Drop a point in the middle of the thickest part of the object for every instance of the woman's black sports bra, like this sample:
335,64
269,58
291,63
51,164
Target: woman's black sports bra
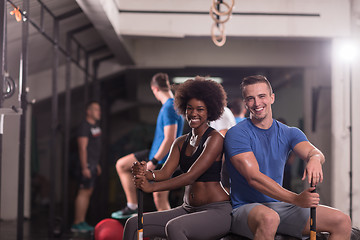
213,173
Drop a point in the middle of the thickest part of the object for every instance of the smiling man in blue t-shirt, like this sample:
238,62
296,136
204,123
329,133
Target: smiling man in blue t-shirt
256,151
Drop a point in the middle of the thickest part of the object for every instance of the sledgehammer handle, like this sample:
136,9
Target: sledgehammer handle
140,214
313,219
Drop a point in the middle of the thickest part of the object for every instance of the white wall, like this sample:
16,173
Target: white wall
246,25
341,73
10,167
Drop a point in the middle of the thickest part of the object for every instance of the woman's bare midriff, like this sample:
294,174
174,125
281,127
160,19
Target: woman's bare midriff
201,193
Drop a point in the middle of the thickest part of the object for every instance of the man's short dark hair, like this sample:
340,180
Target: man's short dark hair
253,80
91,103
161,80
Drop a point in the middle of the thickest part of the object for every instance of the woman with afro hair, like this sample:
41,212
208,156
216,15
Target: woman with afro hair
205,213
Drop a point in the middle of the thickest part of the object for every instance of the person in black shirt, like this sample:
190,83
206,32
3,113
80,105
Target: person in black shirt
89,148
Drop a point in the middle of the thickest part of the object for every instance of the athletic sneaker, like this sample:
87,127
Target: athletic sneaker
82,227
124,212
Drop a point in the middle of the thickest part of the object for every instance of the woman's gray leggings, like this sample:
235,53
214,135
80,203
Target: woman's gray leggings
211,221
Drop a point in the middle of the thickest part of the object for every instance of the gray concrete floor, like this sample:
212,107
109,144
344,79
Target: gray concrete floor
36,229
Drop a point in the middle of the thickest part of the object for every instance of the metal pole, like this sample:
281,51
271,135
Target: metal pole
24,57
2,47
47,37
351,145
2,69
96,85
86,93
54,124
67,133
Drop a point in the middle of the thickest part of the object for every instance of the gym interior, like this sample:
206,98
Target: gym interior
59,55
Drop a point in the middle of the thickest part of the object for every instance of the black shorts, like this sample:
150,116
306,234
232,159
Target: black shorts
87,183
143,155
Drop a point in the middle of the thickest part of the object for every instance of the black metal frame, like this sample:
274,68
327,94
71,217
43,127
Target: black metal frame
54,40
2,64
23,99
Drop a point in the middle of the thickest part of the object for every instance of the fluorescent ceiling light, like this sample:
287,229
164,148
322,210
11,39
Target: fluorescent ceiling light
183,79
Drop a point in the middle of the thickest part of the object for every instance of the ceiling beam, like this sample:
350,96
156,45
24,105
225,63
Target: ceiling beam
96,14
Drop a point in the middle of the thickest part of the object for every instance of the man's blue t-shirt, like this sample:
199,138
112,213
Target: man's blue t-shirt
167,116
271,148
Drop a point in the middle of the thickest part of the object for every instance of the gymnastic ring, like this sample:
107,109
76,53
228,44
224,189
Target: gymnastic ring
220,27
218,2
219,43
218,20
218,40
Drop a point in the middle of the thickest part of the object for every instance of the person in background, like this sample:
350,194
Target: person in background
226,121
205,213
223,124
256,151
237,107
169,126
89,148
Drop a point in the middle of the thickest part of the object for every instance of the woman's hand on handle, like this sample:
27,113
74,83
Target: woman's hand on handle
138,168
142,183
